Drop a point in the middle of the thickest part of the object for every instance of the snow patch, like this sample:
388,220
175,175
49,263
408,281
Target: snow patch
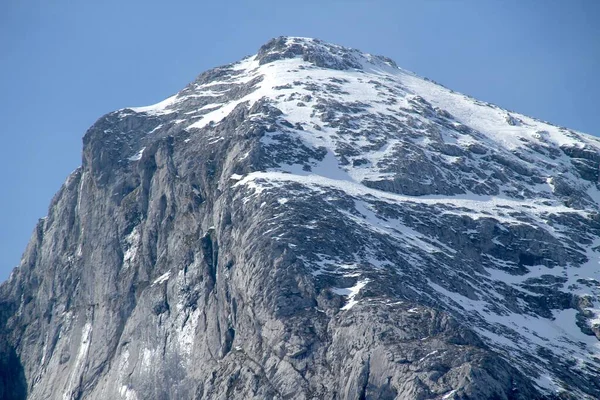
449,395
127,393
132,241
138,155
163,278
351,293
78,366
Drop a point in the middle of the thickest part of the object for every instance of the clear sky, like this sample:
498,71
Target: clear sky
65,63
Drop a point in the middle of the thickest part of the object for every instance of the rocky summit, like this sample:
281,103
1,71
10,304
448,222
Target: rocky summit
313,222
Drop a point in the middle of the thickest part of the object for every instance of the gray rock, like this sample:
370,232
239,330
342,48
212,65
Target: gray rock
218,247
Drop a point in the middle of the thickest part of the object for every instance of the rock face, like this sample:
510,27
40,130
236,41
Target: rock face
313,222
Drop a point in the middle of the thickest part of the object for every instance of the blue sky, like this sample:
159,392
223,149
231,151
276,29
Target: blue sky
63,64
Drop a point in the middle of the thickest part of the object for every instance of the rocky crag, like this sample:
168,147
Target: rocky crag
313,222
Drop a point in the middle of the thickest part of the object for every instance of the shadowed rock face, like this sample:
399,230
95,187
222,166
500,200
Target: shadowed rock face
313,222
12,379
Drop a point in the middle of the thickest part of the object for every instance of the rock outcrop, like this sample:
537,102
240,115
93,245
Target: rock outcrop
313,222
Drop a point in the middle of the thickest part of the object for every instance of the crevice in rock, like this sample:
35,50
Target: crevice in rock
210,251
228,342
363,380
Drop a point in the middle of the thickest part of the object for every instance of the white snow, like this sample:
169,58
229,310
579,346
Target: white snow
372,91
547,383
156,109
595,322
428,355
186,318
163,278
561,333
44,350
489,120
476,206
138,155
449,394
127,393
351,293
132,241
86,333
148,358
78,365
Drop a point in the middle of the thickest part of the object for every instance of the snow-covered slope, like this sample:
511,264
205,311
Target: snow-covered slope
356,124
386,194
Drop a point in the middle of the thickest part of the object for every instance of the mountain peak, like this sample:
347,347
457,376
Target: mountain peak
306,211
317,52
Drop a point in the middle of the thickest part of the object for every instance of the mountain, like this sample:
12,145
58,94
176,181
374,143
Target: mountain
313,222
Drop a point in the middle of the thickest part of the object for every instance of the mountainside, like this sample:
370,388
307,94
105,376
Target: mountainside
313,222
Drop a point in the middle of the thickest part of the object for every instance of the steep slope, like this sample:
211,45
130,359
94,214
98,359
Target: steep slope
313,222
